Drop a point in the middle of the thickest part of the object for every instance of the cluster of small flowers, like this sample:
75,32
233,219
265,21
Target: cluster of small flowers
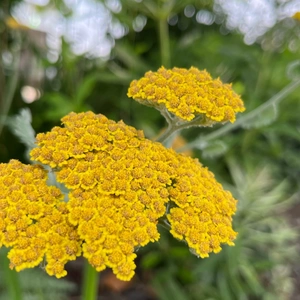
121,184
187,94
34,220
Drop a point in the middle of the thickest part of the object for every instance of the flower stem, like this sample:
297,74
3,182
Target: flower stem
247,117
11,278
164,42
166,134
174,126
90,282
8,94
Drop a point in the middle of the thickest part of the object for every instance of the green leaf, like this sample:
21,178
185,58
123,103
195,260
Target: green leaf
185,275
85,88
20,125
265,118
251,278
293,70
117,74
32,283
238,87
212,264
127,55
10,279
60,105
287,130
179,252
223,286
151,260
168,288
213,149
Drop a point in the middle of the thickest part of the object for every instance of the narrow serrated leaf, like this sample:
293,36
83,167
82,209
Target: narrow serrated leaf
293,70
251,278
20,125
168,288
223,286
214,149
267,117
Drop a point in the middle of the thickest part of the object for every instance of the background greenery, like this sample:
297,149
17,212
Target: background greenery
258,160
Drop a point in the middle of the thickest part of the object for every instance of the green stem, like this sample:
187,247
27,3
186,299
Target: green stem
263,75
167,133
11,278
90,282
164,42
12,84
174,126
229,127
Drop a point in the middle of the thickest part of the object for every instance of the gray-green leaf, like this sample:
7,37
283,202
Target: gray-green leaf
20,125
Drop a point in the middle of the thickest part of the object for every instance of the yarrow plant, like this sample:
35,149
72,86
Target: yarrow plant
120,185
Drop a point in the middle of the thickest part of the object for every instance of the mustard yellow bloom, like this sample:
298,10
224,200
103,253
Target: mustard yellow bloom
34,220
187,94
121,186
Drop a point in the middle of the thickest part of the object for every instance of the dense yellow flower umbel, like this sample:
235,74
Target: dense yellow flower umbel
34,220
187,93
122,185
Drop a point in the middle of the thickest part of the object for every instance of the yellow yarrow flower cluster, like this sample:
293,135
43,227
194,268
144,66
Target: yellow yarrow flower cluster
34,220
122,185
187,94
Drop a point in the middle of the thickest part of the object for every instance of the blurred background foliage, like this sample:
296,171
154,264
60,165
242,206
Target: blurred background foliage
58,56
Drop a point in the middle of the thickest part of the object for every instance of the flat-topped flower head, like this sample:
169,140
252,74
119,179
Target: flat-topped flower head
34,220
187,93
121,186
